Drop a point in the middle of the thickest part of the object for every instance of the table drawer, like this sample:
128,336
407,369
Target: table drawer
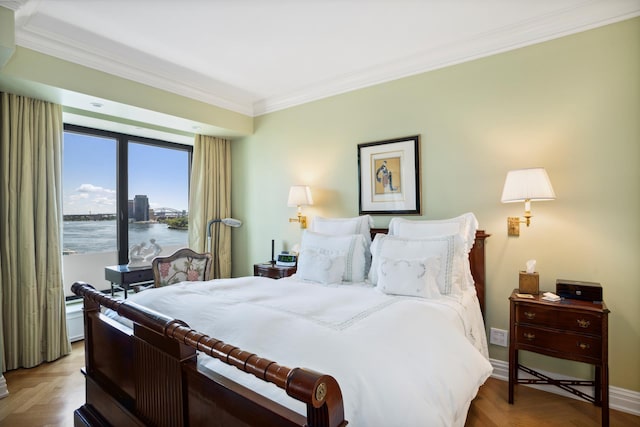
145,275
273,271
574,346
263,272
583,322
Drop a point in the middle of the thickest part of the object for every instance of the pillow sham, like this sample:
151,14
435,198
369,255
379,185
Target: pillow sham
448,249
321,266
464,225
345,227
409,277
352,247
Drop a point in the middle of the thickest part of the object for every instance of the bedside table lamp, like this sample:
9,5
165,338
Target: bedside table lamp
300,195
525,185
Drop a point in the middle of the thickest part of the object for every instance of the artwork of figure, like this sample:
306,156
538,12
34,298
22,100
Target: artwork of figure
384,177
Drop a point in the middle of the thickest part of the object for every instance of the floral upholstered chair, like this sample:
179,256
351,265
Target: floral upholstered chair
183,265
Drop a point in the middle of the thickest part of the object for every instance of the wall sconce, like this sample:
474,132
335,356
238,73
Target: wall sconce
525,185
300,195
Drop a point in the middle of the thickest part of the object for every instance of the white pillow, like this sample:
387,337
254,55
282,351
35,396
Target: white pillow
464,225
448,249
352,247
410,277
318,265
345,227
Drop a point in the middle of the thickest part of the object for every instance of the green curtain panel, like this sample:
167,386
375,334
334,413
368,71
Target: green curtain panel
33,320
210,198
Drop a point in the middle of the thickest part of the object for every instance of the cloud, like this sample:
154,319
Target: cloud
90,188
90,198
75,197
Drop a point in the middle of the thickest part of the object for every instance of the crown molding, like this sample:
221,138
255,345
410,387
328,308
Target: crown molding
149,71
162,75
13,4
537,30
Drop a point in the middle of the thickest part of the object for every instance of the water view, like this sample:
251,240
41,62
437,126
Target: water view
100,236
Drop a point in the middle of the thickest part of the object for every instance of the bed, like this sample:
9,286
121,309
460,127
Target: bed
387,356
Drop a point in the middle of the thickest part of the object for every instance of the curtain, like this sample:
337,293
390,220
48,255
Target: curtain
210,198
33,319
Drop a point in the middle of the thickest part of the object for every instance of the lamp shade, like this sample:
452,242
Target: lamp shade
527,184
300,195
231,222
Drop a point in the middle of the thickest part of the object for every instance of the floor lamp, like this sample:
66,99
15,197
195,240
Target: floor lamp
231,222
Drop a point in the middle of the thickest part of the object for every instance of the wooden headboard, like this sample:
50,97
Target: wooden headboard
476,259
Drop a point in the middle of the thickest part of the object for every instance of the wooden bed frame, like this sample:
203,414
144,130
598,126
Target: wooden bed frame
148,375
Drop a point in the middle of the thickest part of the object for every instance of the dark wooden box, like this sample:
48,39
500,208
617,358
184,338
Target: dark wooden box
574,289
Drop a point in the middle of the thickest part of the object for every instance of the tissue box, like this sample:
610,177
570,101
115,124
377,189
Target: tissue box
529,283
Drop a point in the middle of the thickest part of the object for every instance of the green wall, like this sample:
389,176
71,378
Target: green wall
571,105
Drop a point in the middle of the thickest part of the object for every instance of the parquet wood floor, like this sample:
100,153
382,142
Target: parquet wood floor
45,395
48,394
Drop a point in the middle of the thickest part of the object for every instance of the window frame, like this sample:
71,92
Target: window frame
122,175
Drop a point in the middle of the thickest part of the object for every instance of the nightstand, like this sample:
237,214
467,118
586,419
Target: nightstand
269,269
567,329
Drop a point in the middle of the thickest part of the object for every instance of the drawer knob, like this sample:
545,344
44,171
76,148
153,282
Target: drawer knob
529,336
583,346
583,323
529,315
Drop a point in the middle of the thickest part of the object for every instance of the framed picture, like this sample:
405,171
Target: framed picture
389,176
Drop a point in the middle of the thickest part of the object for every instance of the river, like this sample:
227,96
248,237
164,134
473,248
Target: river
100,236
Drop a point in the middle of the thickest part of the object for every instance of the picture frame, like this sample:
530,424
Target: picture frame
389,177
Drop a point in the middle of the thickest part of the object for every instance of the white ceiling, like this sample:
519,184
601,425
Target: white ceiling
258,56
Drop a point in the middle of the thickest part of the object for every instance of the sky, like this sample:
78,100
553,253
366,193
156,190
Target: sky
89,175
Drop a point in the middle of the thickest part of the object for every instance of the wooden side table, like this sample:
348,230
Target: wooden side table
121,277
567,329
269,269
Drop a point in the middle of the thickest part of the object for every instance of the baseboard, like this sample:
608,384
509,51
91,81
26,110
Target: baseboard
619,398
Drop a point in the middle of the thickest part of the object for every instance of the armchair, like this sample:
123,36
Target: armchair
183,265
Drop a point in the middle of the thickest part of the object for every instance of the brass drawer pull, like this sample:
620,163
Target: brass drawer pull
529,315
529,336
583,346
583,323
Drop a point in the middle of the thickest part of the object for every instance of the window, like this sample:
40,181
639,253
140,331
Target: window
158,197
120,192
89,193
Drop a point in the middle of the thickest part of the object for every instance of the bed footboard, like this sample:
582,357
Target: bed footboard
148,376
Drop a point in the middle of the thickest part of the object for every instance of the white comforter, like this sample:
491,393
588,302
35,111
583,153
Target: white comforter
398,360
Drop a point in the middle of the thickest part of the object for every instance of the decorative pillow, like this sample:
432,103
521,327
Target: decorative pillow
352,247
318,265
464,225
410,277
448,249
345,227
